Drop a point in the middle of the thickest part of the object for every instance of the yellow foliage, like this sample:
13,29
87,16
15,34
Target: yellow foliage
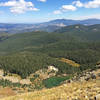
70,62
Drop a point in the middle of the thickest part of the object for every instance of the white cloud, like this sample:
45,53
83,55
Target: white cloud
78,4
57,12
65,8
42,0
19,6
90,4
68,8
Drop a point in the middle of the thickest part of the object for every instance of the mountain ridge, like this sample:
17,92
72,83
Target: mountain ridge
49,26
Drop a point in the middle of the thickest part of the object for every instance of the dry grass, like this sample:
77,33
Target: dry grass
5,92
70,62
69,91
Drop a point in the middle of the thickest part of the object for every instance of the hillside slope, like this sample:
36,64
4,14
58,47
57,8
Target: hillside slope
28,53
70,91
85,86
91,33
37,40
33,40
37,50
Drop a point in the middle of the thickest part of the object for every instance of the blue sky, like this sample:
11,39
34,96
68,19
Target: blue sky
33,11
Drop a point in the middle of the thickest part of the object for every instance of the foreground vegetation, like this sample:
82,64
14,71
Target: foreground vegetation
67,92
54,81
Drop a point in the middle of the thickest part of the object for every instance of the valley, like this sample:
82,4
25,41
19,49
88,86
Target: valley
46,63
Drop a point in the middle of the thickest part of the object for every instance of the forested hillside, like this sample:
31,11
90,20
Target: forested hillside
87,33
40,49
26,53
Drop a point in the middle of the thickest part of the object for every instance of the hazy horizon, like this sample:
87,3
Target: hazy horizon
47,21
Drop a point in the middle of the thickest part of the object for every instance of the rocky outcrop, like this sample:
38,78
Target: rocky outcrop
87,75
97,97
85,86
52,68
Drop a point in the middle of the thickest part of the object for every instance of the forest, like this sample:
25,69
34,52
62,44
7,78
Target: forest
25,53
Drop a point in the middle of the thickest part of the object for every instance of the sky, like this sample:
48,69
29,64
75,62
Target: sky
35,11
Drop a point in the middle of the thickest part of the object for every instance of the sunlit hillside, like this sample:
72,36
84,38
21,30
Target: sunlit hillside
70,91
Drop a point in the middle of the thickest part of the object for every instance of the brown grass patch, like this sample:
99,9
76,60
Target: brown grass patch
6,92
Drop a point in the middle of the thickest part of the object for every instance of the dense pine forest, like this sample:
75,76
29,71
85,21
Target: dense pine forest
26,53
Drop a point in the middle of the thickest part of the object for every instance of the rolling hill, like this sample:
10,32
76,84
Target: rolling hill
74,34
91,33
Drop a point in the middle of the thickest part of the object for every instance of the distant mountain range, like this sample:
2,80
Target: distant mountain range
72,22
46,26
